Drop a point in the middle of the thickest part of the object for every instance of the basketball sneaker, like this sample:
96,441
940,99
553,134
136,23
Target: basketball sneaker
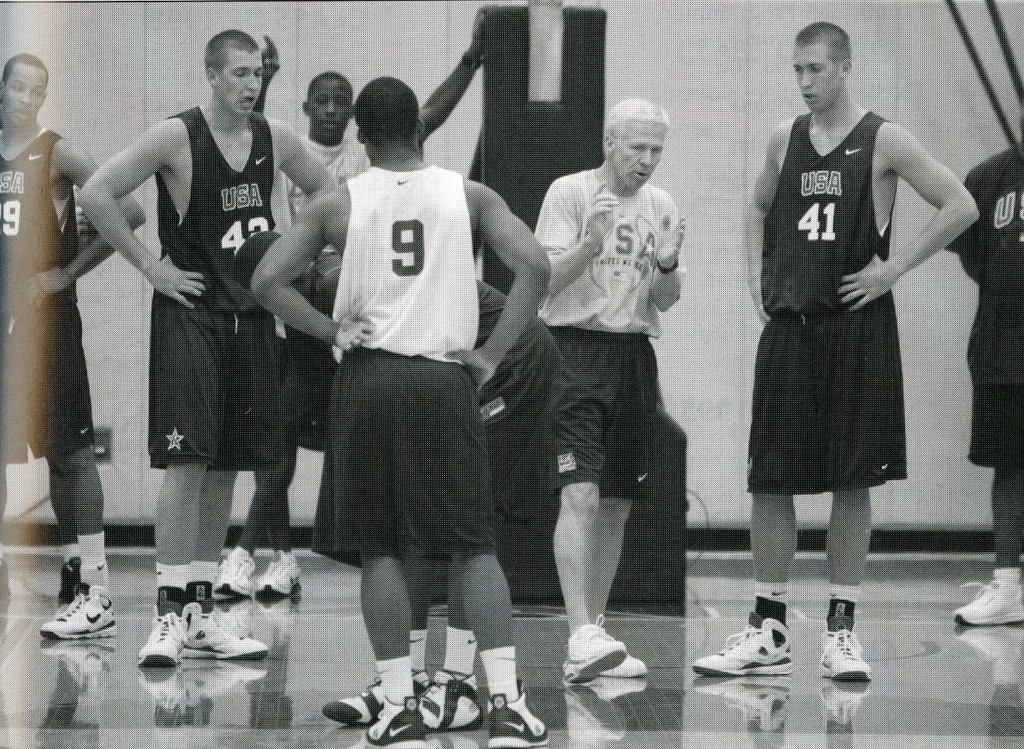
842,657
841,701
88,616
591,651
209,636
234,577
996,603
165,644
511,725
281,577
449,704
70,579
631,668
399,727
762,701
756,650
364,709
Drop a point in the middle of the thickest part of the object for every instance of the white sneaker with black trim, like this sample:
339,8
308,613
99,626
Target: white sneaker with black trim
752,651
996,603
281,577
234,576
842,658
208,636
631,668
511,725
165,644
590,652
89,615
450,703
399,727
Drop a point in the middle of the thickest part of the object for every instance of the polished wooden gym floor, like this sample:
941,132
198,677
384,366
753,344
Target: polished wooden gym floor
933,686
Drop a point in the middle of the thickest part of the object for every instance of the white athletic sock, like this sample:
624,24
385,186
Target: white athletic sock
202,572
172,575
500,667
459,650
418,649
94,560
396,678
70,551
777,592
1007,576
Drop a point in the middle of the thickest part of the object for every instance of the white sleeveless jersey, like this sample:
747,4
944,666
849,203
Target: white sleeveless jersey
408,262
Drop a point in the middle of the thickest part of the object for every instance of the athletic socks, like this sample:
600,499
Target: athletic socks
500,667
770,601
396,678
94,568
459,651
418,649
200,585
171,580
842,602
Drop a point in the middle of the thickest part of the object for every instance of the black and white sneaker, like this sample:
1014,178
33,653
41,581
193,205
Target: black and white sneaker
399,727
512,725
364,709
450,704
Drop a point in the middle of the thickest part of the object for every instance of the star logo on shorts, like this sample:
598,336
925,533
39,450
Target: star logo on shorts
174,440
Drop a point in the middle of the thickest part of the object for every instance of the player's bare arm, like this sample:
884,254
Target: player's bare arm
668,273
760,203
446,97
900,154
163,148
321,222
302,169
517,247
572,262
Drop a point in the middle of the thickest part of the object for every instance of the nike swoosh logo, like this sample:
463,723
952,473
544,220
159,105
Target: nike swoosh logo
402,181
34,156
852,151
886,465
83,431
93,619
517,726
392,732
641,478
260,160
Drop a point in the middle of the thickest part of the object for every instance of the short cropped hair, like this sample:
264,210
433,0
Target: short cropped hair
837,40
328,75
634,110
25,59
387,110
216,48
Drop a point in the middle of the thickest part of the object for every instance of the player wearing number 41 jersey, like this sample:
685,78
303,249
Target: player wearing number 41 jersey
827,410
213,374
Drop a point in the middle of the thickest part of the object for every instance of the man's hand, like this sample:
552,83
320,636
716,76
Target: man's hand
353,332
867,284
474,56
86,231
480,367
270,59
671,245
600,217
171,281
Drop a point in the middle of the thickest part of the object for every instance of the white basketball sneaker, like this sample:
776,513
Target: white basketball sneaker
234,577
752,651
590,652
165,644
631,668
208,636
281,577
996,603
842,659
89,615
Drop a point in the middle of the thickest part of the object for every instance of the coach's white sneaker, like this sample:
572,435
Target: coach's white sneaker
631,668
89,615
590,652
234,577
208,636
842,659
165,643
281,577
755,650
997,602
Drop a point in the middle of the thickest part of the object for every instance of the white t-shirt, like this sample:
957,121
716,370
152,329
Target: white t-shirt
408,262
343,161
614,293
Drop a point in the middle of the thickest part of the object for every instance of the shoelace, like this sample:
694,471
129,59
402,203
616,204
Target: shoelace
986,589
167,624
239,566
732,642
846,644
74,608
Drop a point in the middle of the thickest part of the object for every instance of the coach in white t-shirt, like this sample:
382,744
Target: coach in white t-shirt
614,244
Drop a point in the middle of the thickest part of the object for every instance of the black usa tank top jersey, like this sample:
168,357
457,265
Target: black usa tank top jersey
821,225
225,208
33,238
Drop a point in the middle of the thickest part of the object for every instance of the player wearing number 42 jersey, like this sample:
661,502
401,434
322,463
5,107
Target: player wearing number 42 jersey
827,411
212,400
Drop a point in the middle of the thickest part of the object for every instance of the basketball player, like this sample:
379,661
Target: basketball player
990,252
213,406
828,382
614,244
407,309
308,369
47,399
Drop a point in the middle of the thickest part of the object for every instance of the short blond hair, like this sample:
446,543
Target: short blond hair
635,110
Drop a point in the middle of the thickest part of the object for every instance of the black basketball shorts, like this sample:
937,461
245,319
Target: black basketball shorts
997,426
